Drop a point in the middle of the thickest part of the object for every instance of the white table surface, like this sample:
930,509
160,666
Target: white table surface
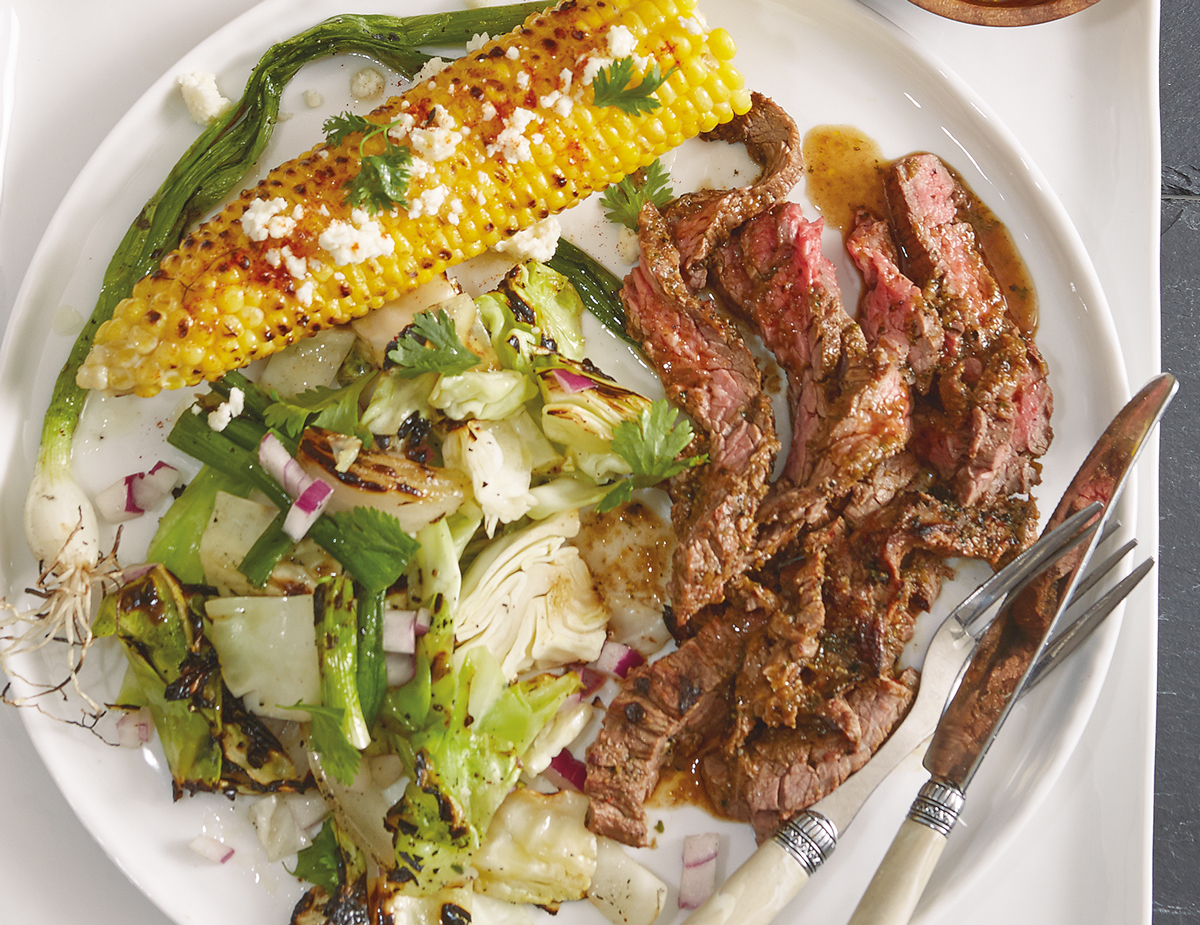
1080,95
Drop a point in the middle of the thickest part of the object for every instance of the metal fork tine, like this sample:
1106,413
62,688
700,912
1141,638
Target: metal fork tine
1077,633
1096,572
1018,573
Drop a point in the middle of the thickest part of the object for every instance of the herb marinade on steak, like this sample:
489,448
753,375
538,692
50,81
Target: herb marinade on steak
916,429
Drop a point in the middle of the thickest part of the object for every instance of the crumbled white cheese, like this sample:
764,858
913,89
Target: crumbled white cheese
511,143
522,80
296,266
537,242
438,141
273,257
557,102
304,295
621,43
313,99
264,219
219,418
691,25
428,202
367,84
418,167
592,67
456,210
488,111
513,53
203,99
430,68
355,241
478,41
564,80
401,127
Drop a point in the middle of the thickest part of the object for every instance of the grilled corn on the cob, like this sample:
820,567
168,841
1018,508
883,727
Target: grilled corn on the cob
500,139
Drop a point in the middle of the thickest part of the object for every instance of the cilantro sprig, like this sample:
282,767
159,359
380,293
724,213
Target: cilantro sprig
612,87
331,408
651,445
382,180
624,199
431,345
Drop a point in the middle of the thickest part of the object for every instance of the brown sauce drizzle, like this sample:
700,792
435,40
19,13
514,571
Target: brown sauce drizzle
844,171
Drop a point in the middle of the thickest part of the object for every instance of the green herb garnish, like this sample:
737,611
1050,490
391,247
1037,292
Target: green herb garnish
624,199
318,863
431,345
651,445
612,87
322,406
382,180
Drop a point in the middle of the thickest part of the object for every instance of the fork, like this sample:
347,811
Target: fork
781,866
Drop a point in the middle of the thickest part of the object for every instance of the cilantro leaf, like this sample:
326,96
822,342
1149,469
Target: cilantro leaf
650,445
372,545
336,128
338,756
612,87
323,406
382,180
381,183
623,200
318,863
431,345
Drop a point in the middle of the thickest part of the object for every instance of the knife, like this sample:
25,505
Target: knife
998,671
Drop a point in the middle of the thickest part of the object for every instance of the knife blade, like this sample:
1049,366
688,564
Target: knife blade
998,670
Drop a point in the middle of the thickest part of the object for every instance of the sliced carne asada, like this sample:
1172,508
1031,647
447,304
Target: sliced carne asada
850,404
670,703
783,770
892,311
706,369
992,419
702,221
915,438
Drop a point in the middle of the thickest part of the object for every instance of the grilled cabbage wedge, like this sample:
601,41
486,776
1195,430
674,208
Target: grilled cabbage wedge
500,139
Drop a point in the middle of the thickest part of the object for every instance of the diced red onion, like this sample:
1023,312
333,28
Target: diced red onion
211,848
424,620
307,508
400,631
151,488
134,727
699,869
592,681
117,503
573,382
400,668
617,660
566,771
282,467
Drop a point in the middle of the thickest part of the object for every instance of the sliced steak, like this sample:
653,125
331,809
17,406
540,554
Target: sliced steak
707,369
702,220
670,703
892,312
850,405
783,770
991,420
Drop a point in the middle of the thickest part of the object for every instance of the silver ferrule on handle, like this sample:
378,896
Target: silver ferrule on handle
809,838
937,806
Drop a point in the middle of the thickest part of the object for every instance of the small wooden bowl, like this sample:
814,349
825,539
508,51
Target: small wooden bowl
1004,12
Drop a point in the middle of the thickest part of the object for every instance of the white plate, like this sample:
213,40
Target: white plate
832,63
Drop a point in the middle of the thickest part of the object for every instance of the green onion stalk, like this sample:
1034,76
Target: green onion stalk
60,522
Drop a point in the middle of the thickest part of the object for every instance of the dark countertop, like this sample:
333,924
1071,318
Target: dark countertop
1177,754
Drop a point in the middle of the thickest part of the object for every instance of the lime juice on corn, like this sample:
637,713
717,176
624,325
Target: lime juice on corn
495,142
